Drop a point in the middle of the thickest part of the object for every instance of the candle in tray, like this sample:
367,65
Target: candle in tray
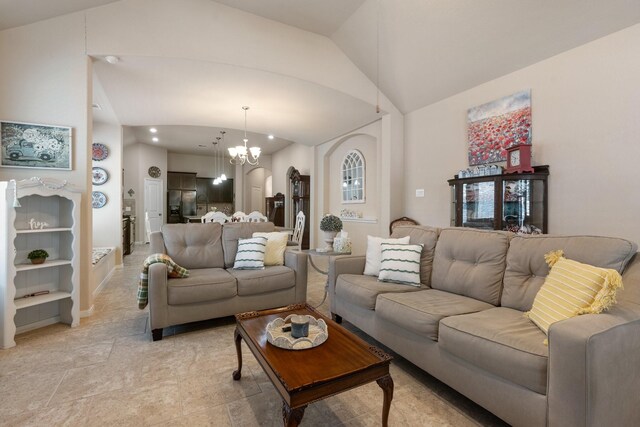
299,326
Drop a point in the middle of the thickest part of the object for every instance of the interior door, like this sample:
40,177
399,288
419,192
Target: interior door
153,205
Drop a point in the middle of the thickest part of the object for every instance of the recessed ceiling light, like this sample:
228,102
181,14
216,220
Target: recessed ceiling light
271,137
153,130
112,59
154,139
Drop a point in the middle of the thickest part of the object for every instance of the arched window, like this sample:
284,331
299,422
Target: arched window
353,177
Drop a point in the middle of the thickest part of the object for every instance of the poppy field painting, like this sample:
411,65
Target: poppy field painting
497,125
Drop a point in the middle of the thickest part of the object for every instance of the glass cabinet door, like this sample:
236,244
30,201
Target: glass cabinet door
478,205
523,206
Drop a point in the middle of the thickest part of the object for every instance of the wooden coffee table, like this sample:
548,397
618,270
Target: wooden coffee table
301,377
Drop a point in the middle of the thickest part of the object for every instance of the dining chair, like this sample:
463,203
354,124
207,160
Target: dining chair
239,216
216,217
256,216
298,231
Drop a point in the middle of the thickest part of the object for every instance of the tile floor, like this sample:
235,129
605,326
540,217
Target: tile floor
107,371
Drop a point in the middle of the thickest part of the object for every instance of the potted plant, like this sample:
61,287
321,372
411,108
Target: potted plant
38,256
330,225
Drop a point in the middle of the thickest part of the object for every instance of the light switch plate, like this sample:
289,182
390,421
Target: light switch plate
420,192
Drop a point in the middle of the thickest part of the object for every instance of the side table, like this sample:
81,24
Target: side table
312,253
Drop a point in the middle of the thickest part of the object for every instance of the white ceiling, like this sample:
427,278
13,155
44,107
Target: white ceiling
429,50
149,91
14,13
199,139
318,16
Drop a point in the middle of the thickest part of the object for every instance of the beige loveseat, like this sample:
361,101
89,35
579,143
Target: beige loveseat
465,325
213,288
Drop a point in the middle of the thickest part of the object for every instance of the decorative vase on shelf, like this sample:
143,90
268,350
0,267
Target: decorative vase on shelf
38,260
328,237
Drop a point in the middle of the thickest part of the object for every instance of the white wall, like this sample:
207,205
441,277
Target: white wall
329,156
45,78
107,221
297,155
242,185
586,110
138,159
255,179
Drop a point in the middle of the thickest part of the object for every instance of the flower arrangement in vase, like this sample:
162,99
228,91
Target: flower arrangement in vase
330,225
38,256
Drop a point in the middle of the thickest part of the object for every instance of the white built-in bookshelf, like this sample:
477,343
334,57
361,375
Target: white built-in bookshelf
48,201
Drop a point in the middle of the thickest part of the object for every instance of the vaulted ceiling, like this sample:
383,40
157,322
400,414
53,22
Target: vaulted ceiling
417,51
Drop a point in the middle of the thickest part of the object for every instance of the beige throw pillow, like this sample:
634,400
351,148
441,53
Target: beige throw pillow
372,264
276,245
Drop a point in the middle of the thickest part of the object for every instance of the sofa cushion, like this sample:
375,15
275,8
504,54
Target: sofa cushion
250,254
471,263
421,312
526,268
502,342
400,264
374,253
274,278
425,236
276,245
363,290
240,230
203,284
194,245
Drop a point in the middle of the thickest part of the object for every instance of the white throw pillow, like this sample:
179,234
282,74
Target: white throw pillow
276,245
372,265
250,255
400,264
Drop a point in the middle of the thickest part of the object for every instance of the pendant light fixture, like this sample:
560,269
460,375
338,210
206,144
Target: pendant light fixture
217,179
240,154
223,177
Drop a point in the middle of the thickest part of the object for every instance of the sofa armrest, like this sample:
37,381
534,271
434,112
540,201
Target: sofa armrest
594,366
158,300
297,261
352,264
156,243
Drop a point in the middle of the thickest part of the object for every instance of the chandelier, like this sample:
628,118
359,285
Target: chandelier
218,171
240,154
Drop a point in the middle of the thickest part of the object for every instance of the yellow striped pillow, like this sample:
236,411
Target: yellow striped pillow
572,288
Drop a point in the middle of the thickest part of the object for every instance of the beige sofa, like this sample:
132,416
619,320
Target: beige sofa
213,288
465,325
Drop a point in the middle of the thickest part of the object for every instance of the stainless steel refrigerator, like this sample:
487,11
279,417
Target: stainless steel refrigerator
181,204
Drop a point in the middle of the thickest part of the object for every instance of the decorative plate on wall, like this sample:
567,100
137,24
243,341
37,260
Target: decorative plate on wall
99,176
98,199
99,151
154,172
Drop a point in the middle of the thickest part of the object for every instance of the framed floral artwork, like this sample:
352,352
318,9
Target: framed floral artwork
36,146
497,125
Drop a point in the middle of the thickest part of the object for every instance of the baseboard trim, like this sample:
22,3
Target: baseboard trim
102,284
37,325
87,313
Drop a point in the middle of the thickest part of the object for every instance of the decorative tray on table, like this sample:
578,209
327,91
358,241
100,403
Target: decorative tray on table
318,333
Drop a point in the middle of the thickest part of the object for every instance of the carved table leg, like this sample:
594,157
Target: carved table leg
386,384
237,337
292,417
